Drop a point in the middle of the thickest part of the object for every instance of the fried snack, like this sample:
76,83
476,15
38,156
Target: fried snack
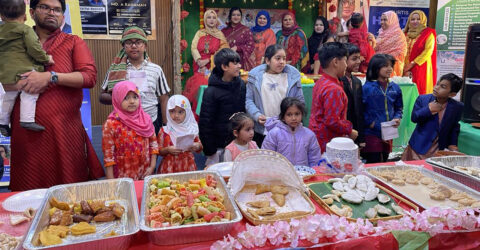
82,217
29,213
16,219
117,210
426,181
458,196
328,201
466,201
277,189
56,217
86,209
445,190
8,241
279,199
66,219
475,204
266,211
83,228
104,217
60,231
49,239
253,213
411,180
259,204
261,188
399,182
439,196
60,205
287,215
96,205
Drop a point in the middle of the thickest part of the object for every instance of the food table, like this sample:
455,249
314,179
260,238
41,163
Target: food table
469,139
409,92
451,240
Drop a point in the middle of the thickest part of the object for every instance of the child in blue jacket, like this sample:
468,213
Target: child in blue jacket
437,116
382,102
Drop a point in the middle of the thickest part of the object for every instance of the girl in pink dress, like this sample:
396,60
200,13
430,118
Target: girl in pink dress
242,129
129,143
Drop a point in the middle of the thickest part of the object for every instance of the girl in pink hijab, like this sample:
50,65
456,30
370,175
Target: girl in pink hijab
391,40
129,143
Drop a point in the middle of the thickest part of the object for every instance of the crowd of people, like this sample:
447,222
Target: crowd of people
265,112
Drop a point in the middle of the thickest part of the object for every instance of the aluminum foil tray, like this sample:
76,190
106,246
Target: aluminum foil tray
194,232
116,190
445,166
428,173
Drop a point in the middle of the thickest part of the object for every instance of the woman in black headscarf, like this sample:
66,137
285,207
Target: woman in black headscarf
320,35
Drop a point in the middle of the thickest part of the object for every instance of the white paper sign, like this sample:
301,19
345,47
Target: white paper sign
2,94
389,132
184,142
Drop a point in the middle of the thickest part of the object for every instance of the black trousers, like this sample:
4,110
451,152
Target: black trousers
375,157
258,138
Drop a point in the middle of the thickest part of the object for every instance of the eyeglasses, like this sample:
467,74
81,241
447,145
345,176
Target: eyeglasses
46,9
137,43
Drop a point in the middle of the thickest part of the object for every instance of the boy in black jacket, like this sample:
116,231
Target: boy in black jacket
353,88
224,96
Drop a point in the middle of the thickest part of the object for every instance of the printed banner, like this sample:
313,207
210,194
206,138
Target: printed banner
343,9
453,19
403,8
106,19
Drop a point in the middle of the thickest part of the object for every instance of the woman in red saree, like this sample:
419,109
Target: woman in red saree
205,44
240,38
421,59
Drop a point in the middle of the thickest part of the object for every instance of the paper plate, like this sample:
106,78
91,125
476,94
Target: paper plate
224,168
304,171
21,201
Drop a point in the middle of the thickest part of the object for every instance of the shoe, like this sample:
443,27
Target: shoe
32,126
5,130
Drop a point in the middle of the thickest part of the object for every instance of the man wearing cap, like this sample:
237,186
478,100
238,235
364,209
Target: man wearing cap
132,63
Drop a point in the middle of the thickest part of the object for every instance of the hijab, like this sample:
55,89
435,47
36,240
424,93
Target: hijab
318,38
391,40
215,32
257,28
137,120
188,127
118,69
289,31
414,32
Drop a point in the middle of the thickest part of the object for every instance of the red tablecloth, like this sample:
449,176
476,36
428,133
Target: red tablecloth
460,240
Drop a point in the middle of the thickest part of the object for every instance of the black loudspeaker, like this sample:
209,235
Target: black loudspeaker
471,74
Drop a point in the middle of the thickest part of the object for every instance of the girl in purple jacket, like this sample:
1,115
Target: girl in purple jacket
287,135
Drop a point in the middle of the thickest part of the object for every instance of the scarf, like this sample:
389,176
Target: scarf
257,28
213,31
391,40
137,120
289,31
118,69
318,38
188,127
414,32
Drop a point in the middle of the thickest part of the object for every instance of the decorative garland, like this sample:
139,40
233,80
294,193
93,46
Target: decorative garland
290,5
318,226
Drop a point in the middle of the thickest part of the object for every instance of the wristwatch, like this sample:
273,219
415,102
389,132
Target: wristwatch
54,77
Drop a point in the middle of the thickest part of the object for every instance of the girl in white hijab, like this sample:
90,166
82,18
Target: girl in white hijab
179,138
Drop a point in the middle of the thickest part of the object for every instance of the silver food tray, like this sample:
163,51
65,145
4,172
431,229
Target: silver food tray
428,173
445,166
182,234
119,190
